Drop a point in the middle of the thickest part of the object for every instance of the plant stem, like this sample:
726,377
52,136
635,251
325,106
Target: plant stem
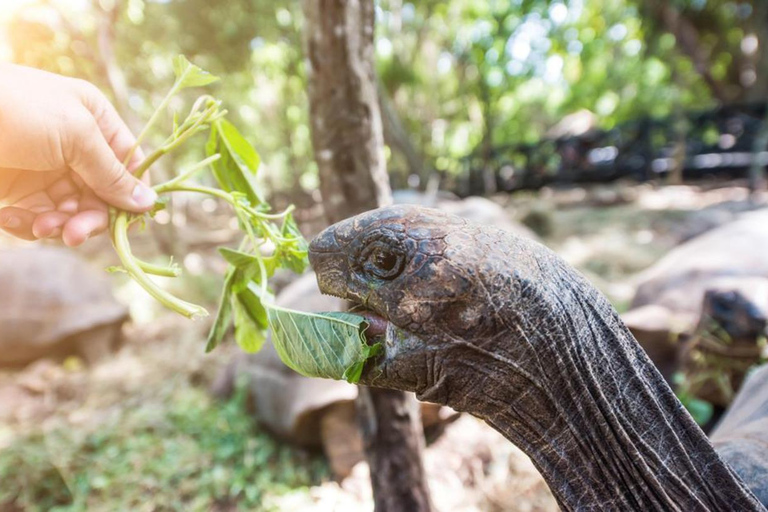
151,159
155,115
152,121
158,270
131,265
170,184
173,143
191,187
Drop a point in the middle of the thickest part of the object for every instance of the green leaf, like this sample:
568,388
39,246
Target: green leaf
248,335
160,204
248,268
242,299
327,345
247,157
271,262
295,260
189,75
699,409
293,254
246,265
354,372
223,315
238,259
236,170
253,298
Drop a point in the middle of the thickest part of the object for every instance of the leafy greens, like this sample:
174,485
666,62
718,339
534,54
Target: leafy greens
329,345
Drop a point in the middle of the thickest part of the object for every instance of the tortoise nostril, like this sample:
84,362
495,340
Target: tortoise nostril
324,242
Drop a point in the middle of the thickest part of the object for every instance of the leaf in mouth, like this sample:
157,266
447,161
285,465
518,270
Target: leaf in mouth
328,345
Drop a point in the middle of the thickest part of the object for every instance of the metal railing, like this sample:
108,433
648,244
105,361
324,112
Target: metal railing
725,141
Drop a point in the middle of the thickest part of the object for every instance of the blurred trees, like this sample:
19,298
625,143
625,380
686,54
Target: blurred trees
459,76
475,74
725,40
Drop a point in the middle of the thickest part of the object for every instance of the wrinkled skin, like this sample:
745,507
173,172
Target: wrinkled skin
500,327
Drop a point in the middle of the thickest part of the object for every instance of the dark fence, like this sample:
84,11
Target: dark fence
719,142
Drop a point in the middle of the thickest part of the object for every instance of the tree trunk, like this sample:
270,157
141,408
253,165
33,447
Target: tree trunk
344,111
394,440
349,149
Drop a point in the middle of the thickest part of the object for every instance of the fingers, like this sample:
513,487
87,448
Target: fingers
112,126
84,225
62,190
91,157
17,222
73,229
50,224
59,212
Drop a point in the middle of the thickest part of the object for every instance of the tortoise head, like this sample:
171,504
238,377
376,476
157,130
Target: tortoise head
437,283
736,312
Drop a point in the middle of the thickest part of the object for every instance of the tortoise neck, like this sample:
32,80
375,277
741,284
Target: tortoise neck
593,413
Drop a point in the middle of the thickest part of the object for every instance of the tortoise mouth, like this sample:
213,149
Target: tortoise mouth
377,325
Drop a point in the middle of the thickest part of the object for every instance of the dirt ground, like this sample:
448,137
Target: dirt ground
140,430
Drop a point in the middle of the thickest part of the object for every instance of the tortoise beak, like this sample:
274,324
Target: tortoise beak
330,264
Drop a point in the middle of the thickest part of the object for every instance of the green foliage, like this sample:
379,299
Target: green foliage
303,340
460,73
294,252
236,170
700,410
195,455
725,40
189,75
326,345
506,72
234,164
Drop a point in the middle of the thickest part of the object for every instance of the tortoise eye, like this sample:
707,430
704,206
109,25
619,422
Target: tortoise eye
384,263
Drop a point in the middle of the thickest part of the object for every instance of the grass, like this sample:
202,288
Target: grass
190,454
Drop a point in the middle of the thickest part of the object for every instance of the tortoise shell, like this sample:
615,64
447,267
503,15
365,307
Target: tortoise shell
47,297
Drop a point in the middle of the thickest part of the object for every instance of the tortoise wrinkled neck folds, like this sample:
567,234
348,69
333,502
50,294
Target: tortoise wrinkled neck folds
498,326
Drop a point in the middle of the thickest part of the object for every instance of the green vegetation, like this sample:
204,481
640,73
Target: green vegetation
190,454
326,345
234,163
458,74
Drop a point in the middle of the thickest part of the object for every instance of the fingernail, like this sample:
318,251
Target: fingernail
11,222
56,233
143,196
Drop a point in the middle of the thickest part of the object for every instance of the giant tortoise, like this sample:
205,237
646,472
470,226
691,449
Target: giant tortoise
53,304
499,326
703,307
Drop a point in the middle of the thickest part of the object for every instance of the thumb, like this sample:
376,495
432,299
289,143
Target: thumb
90,156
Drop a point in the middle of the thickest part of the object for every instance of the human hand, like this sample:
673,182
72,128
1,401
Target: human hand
62,144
